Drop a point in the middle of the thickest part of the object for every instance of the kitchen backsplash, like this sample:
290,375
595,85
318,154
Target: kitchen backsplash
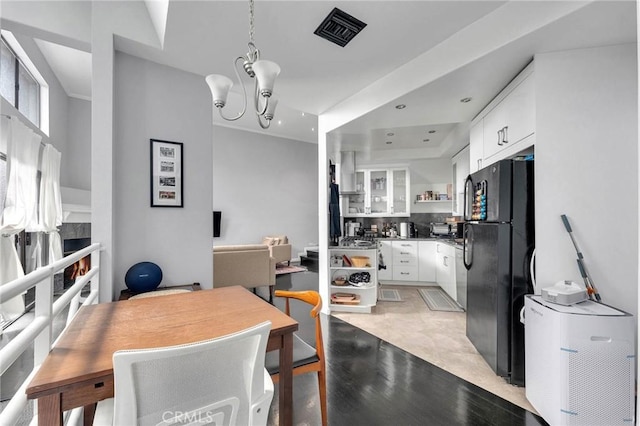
421,221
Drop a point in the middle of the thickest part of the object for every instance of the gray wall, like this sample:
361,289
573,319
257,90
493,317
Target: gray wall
78,153
159,102
265,185
587,168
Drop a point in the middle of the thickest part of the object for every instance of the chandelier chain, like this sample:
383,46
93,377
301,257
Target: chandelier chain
251,26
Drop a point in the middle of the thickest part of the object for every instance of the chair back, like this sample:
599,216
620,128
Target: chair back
220,381
314,299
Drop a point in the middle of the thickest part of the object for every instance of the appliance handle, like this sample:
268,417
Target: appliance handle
467,246
466,213
532,271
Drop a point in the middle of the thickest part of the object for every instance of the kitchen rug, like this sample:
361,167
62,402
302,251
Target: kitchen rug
437,300
388,295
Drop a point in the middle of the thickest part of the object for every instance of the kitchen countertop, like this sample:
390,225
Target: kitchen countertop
457,242
452,241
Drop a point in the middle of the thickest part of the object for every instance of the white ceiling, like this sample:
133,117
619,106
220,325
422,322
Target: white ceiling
448,38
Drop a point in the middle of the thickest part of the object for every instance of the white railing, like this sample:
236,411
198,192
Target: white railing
40,331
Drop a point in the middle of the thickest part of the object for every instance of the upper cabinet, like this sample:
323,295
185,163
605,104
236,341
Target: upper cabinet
507,125
460,168
476,138
381,192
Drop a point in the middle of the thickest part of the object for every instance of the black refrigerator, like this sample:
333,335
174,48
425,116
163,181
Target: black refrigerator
498,244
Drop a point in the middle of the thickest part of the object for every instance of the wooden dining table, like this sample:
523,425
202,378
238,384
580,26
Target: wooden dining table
78,372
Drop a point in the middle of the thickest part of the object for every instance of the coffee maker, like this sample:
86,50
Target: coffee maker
413,233
407,230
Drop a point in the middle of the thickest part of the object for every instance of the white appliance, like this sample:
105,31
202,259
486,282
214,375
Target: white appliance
404,229
352,228
579,363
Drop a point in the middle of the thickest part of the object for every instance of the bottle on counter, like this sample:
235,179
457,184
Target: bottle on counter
394,231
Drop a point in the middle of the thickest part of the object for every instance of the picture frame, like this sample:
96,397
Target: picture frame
166,173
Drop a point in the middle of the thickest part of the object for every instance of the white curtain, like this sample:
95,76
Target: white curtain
20,205
50,205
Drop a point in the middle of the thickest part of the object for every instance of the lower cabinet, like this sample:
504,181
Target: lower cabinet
427,261
446,268
461,279
412,262
405,260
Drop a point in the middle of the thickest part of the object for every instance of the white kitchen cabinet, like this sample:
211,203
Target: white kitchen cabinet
460,170
380,193
445,268
427,261
387,257
367,293
511,121
476,141
506,127
461,279
405,260
400,191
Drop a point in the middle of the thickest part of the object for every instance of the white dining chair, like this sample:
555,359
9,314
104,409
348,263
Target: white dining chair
217,381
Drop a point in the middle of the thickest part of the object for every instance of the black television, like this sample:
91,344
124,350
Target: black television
216,223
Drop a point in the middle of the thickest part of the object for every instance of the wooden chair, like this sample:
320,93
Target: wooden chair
306,358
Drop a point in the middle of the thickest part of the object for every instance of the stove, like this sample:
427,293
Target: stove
358,242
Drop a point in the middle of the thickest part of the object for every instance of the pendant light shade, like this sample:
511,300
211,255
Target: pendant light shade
266,73
219,86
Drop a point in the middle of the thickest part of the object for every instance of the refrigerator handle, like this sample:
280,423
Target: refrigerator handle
467,205
467,246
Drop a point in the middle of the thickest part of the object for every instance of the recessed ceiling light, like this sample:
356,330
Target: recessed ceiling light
390,134
432,131
313,129
426,140
401,106
465,100
303,114
279,122
389,142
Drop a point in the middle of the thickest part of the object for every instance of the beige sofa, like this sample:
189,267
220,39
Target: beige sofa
279,247
245,265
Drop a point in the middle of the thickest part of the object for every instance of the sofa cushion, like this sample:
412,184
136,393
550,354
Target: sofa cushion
283,239
275,240
271,241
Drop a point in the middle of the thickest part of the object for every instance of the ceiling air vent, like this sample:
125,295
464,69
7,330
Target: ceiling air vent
339,27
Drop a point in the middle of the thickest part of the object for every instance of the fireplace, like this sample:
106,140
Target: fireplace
79,268
74,236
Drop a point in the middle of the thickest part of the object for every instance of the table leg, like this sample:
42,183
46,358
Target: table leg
286,381
50,410
89,413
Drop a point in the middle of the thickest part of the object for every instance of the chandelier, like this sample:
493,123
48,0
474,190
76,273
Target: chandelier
264,72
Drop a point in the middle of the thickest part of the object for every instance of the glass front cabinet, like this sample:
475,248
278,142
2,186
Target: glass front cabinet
380,192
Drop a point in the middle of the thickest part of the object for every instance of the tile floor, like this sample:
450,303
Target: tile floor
443,343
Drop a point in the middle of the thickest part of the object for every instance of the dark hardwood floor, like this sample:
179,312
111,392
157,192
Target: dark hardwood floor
371,382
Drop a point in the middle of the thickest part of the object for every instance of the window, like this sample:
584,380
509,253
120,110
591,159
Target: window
17,84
